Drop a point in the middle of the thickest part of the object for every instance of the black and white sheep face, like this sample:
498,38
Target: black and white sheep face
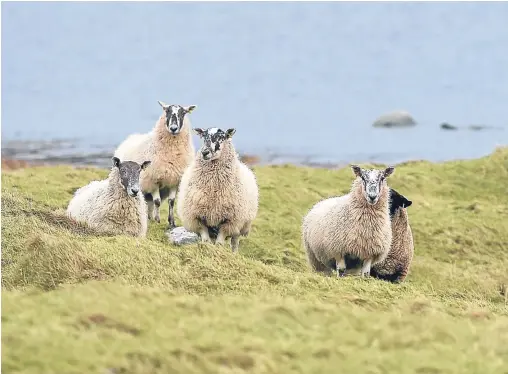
129,172
373,181
397,201
175,115
212,141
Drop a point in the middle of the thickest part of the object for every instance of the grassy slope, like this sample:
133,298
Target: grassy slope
75,302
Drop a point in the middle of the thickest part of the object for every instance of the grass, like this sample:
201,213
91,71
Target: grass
77,302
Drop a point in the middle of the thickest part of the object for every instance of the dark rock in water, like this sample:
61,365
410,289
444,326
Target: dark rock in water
180,236
482,127
398,118
447,126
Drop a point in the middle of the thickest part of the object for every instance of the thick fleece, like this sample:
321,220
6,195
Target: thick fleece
106,206
170,155
219,193
347,225
395,266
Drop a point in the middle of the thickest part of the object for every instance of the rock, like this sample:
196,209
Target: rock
447,126
398,118
483,127
180,236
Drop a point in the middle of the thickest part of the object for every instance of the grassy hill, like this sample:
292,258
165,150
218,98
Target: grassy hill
77,302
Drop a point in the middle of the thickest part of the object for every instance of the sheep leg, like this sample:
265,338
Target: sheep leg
235,241
366,267
205,237
157,203
221,238
341,265
149,204
171,203
223,229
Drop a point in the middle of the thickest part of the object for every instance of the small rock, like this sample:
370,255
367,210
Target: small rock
447,126
180,236
398,118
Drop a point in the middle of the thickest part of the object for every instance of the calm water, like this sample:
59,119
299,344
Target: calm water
299,81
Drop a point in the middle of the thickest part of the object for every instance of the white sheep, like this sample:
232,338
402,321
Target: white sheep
218,193
169,146
113,205
356,224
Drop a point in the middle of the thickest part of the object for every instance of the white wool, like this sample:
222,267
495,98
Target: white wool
344,225
217,190
105,206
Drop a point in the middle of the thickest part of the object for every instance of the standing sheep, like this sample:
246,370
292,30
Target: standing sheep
356,224
395,266
169,147
113,205
218,192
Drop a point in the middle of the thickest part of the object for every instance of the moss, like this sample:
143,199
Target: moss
75,301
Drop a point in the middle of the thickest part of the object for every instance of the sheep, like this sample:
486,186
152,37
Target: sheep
218,193
169,146
113,205
356,224
396,265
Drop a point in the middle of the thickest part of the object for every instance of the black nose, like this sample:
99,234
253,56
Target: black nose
173,128
134,191
205,153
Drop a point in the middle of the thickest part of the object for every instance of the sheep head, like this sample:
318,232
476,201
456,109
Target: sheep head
373,181
213,140
175,115
129,172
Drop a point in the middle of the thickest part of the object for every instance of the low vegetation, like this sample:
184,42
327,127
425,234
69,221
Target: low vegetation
74,301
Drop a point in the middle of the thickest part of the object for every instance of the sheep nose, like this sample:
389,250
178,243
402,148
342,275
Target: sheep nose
135,191
173,128
205,153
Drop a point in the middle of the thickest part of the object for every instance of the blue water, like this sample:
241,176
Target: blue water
297,80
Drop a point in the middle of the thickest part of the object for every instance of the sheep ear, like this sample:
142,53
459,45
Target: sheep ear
116,161
230,133
162,104
145,164
189,108
389,171
199,131
357,170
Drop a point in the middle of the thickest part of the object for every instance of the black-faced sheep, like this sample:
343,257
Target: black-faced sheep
169,147
356,224
218,191
113,205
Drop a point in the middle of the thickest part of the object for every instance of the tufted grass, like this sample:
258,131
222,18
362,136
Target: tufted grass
74,301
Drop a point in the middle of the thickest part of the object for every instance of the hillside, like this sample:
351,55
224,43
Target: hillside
76,302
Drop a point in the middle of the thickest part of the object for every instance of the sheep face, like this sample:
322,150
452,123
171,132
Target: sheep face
397,201
373,182
213,140
129,175
175,115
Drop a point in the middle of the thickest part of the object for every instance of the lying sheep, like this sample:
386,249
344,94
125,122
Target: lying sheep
218,193
113,205
356,224
169,147
395,266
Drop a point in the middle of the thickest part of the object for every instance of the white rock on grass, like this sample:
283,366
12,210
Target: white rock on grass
180,236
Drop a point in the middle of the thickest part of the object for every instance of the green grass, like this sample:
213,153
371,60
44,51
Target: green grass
77,302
